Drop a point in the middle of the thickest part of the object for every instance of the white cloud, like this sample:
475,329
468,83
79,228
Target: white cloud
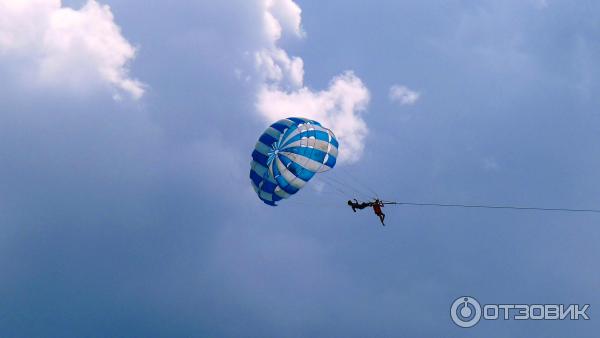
338,108
272,62
60,46
288,14
403,95
276,66
283,94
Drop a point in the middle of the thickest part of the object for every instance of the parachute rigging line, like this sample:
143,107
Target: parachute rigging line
483,206
342,185
355,179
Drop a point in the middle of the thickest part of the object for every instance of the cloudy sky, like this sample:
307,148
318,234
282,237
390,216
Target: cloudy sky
126,129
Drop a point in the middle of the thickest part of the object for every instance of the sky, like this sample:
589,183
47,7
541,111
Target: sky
126,129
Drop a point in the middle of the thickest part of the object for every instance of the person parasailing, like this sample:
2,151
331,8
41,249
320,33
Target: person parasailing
377,204
356,205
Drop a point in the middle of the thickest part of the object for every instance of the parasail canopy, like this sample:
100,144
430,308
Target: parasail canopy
288,154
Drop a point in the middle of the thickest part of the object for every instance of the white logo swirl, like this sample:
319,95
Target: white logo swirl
465,311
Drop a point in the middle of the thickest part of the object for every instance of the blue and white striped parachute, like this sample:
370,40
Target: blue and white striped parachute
288,154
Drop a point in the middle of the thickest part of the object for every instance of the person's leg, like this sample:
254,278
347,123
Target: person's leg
381,217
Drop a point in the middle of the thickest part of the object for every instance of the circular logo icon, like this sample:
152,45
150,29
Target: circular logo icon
465,311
